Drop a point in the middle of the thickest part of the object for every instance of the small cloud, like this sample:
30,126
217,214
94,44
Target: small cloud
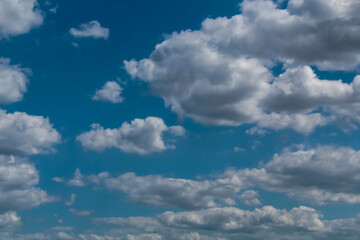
79,213
57,179
78,180
239,149
256,131
91,29
71,200
54,9
110,92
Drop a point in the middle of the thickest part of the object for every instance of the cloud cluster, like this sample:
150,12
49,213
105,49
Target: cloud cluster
220,74
323,175
141,136
18,180
91,29
111,92
13,81
18,17
159,191
21,133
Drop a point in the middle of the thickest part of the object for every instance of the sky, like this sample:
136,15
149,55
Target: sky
179,120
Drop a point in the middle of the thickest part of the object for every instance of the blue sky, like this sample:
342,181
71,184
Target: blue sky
189,120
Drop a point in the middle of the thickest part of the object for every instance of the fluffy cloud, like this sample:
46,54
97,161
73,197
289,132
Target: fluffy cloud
9,221
18,180
141,136
220,75
159,191
21,133
323,175
18,17
111,92
250,198
91,29
78,180
13,82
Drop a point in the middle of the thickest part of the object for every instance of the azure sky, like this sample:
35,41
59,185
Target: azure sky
179,120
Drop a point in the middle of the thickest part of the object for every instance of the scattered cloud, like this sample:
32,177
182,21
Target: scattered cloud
21,133
91,29
78,180
141,136
18,180
111,92
71,200
250,198
18,17
13,81
324,175
80,213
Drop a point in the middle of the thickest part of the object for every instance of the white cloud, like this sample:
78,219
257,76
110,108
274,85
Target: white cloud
91,29
18,180
141,136
21,133
111,92
82,213
250,198
18,17
13,82
220,75
159,191
71,200
9,221
323,175
78,180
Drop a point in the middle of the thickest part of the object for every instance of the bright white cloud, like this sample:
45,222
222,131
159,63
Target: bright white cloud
13,81
21,133
111,92
18,180
91,29
18,17
141,136
323,175
220,75
250,198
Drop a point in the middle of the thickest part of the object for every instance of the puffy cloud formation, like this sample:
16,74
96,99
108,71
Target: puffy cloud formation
21,133
9,221
91,29
18,179
78,180
159,191
141,136
250,198
13,82
220,75
18,17
323,175
111,92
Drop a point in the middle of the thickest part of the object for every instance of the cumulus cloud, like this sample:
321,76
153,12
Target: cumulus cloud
219,75
323,175
250,198
9,221
18,180
78,180
13,81
111,92
18,17
91,29
188,194
21,133
141,136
